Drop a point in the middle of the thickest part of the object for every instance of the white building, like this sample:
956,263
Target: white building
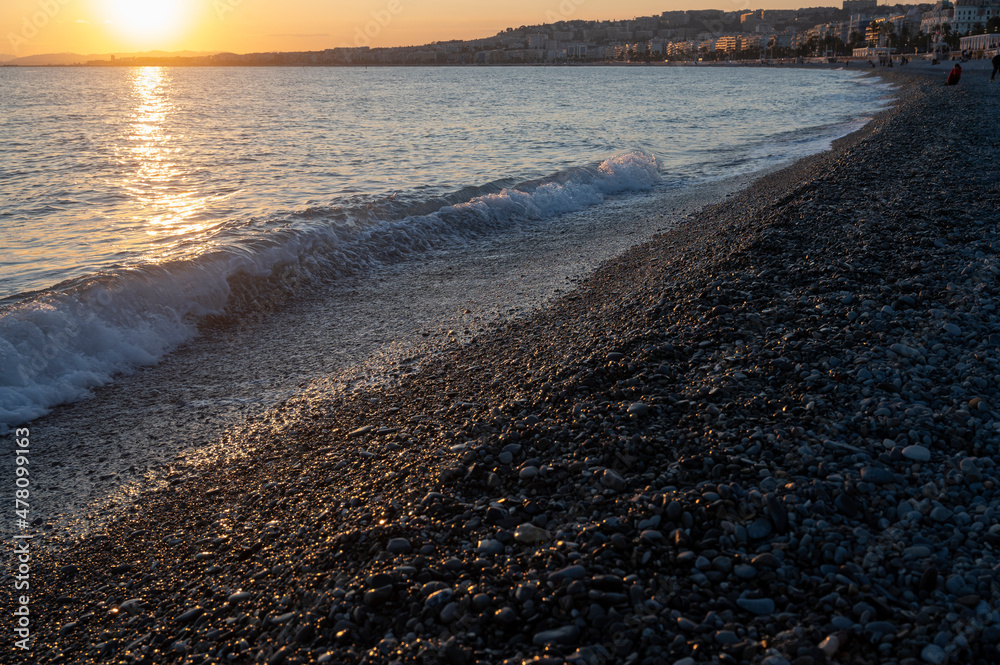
872,52
989,44
931,21
972,13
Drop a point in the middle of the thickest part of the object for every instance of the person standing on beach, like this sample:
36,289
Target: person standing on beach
996,66
954,75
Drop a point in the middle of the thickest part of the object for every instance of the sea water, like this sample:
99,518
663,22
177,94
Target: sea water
145,209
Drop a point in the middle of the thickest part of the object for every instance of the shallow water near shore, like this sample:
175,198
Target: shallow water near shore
366,330
262,291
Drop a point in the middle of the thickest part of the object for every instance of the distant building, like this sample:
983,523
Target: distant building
647,23
682,49
989,44
751,21
840,30
972,14
876,34
706,14
860,6
777,14
780,41
931,21
537,40
675,19
735,43
872,52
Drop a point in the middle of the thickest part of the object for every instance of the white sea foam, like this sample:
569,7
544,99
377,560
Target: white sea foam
57,346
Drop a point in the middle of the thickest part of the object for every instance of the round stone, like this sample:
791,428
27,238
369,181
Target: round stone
760,528
528,472
758,606
398,546
917,453
941,514
638,409
934,655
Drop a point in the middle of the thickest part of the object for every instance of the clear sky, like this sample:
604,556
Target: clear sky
32,27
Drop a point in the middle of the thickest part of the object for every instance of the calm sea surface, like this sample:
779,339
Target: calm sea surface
135,202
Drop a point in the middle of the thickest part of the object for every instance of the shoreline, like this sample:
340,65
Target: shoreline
177,411
618,464
809,62
211,383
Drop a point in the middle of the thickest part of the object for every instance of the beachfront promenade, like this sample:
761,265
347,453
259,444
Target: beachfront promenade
769,435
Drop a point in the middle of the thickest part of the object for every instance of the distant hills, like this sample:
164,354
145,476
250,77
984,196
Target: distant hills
79,59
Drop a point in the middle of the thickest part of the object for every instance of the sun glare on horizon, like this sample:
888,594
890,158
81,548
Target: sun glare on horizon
148,22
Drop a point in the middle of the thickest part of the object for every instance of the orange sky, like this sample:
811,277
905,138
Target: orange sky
105,26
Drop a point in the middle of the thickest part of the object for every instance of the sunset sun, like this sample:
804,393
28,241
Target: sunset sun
148,20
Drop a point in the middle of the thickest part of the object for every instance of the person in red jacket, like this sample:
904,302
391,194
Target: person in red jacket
954,75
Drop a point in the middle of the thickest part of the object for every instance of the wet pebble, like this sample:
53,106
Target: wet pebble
566,635
917,453
758,606
398,546
934,655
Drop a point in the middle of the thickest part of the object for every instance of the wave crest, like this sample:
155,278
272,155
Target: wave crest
57,345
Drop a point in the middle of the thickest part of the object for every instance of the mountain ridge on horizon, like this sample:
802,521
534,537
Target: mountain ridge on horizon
69,58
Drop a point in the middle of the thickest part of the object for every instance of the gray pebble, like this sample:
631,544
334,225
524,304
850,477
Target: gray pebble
567,635
568,573
877,475
449,613
759,528
190,615
934,655
398,546
528,472
726,637
613,480
638,409
941,514
917,453
758,606
490,547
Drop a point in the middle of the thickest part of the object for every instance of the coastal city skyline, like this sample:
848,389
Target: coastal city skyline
34,27
858,28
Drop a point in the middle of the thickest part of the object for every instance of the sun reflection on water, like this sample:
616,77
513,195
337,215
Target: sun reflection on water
167,204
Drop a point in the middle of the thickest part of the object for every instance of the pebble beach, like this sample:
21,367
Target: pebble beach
769,435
